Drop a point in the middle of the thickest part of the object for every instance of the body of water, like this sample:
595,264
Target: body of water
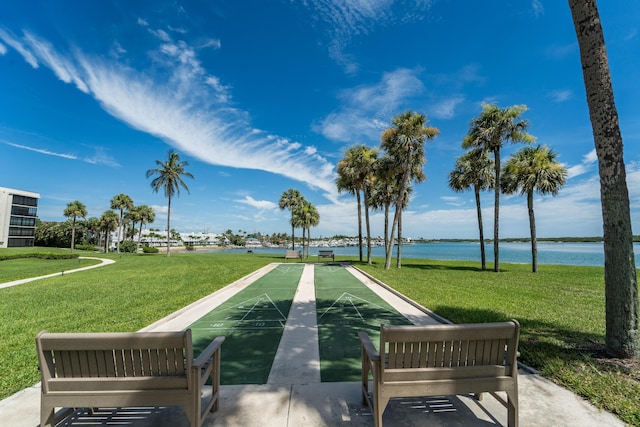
520,253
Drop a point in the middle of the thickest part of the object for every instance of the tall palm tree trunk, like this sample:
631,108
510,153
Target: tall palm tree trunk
168,225
139,237
368,225
73,234
359,223
483,255
496,213
532,228
621,288
386,225
399,254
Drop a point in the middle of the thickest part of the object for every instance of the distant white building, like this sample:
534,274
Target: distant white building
18,211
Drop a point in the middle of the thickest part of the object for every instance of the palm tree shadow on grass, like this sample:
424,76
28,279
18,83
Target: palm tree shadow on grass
541,343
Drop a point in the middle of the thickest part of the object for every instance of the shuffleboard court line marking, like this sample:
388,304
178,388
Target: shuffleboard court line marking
254,302
350,298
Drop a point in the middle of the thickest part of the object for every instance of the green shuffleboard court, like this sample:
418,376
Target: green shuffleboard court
252,321
346,306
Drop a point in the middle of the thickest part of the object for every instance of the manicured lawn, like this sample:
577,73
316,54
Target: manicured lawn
126,296
22,268
561,310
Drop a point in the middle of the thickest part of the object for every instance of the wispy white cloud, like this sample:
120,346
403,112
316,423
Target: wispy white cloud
537,7
3,49
445,109
367,109
588,162
258,204
351,19
190,112
13,42
42,151
99,156
560,95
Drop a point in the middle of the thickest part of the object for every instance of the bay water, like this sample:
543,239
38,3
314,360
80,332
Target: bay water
563,253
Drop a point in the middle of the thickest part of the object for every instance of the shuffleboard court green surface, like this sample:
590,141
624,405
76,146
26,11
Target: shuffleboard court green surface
252,321
344,307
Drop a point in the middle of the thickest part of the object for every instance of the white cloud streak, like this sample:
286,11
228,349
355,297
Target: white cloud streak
367,109
42,151
350,19
190,112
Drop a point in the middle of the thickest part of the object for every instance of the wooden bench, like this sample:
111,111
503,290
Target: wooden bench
322,253
94,370
442,360
292,255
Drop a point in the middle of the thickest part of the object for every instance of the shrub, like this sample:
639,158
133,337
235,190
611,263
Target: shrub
85,247
150,250
40,255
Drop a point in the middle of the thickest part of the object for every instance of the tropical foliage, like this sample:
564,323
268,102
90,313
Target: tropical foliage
404,143
290,199
168,177
356,175
474,169
533,169
75,210
489,131
122,203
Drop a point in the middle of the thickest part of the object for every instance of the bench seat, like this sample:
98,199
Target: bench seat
97,370
434,360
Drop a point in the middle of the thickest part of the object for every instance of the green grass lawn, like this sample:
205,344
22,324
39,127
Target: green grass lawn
561,310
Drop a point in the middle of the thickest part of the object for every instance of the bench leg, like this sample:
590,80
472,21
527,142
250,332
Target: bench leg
512,409
47,415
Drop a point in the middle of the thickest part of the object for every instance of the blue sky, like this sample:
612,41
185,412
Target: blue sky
262,96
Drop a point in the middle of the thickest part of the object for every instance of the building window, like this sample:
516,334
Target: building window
20,243
23,211
24,200
22,221
18,231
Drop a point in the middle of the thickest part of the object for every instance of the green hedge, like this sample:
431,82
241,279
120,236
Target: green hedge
40,255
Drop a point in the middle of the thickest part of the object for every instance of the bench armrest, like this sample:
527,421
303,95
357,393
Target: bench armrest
208,352
368,347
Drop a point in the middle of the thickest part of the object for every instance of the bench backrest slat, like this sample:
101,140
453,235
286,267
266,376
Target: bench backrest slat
449,346
116,354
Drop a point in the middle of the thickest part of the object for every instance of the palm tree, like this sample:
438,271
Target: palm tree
168,177
533,169
289,200
74,210
621,286
144,215
474,169
121,202
383,191
355,174
489,131
404,143
108,223
306,216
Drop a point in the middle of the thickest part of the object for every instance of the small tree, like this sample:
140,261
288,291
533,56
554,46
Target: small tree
121,202
474,169
168,177
74,210
533,169
290,199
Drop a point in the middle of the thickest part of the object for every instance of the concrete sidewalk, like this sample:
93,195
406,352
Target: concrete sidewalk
294,395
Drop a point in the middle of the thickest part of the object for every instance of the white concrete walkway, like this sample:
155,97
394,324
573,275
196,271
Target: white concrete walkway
104,261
